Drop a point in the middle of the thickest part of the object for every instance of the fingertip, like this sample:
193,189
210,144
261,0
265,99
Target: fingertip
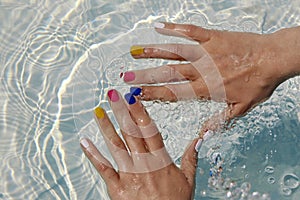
129,76
130,98
136,91
99,112
159,25
84,143
136,50
113,95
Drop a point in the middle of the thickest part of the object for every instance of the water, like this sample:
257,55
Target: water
58,59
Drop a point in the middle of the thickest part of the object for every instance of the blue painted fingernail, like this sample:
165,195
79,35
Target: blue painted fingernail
130,98
136,91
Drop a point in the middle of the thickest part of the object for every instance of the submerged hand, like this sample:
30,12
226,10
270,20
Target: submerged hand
242,69
145,170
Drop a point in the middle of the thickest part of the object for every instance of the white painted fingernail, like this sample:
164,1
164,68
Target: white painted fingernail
84,143
159,25
198,145
207,135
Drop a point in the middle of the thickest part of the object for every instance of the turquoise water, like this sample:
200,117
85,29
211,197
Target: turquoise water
57,61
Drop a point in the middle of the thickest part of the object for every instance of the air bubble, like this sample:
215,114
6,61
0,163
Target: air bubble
265,197
291,181
255,196
269,169
271,180
286,191
245,187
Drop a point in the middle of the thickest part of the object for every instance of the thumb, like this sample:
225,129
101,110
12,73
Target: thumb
220,120
189,161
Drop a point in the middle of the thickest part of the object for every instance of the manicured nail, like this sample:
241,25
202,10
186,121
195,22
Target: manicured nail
198,145
129,76
130,98
159,25
84,143
136,50
207,135
99,112
113,95
136,91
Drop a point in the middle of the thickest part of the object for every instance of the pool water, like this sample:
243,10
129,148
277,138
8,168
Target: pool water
59,58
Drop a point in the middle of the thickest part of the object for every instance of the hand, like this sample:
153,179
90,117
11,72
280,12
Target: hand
145,170
242,69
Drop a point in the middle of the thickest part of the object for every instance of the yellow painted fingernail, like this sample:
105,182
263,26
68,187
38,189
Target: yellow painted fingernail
99,112
136,50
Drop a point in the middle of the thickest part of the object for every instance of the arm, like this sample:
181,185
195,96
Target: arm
288,45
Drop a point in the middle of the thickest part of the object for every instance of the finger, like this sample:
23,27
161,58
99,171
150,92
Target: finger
175,92
186,52
162,74
189,161
102,165
130,131
185,30
152,137
114,143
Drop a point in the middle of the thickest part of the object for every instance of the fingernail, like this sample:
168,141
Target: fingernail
129,76
99,112
198,145
136,50
136,91
207,135
159,25
84,143
130,98
113,95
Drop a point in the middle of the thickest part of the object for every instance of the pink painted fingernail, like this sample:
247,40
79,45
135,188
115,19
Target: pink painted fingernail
113,95
129,76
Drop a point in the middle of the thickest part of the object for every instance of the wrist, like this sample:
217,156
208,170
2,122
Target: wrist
287,59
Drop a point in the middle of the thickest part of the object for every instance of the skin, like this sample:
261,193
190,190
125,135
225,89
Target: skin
250,65
167,182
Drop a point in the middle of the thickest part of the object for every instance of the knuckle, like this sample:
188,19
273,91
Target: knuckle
191,29
117,142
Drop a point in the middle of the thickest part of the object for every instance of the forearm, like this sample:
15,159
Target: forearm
288,41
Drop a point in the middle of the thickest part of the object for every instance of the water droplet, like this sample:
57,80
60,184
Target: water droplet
269,169
228,194
255,195
291,181
245,187
286,191
271,180
265,197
